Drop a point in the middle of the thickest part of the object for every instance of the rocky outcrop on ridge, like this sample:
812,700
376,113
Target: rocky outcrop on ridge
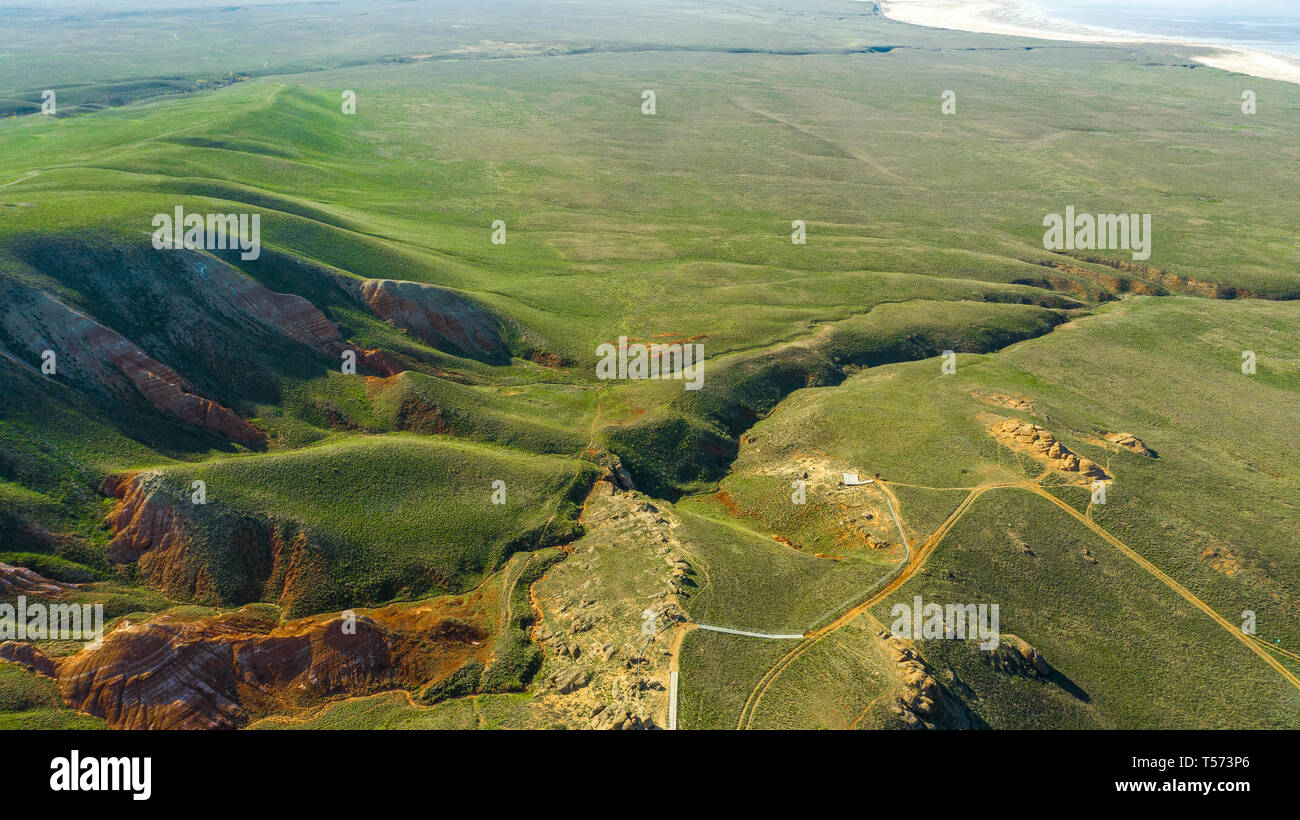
1027,437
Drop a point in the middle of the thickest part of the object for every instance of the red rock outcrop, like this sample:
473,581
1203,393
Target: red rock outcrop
180,673
25,654
286,313
90,353
440,317
140,522
380,361
181,549
101,354
23,581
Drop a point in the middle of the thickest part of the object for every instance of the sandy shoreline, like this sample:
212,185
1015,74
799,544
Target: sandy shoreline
1010,18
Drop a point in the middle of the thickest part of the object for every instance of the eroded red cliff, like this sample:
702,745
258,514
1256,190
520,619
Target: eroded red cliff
178,672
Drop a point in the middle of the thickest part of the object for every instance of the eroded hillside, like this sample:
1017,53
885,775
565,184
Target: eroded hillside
370,474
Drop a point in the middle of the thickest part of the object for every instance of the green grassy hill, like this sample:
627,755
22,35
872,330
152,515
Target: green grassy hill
1211,508
475,361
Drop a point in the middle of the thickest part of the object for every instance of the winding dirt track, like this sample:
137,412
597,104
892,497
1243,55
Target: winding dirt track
1254,644
815,637
1251,643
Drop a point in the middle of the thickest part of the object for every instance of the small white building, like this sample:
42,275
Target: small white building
852,480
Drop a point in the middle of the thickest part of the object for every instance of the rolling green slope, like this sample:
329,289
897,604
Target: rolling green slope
329,488
1211,506
367,519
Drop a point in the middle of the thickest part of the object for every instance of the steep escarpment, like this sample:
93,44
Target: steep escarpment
23,581
358,523
212,555
286,314
1166,281
440,317
1098,284
400,312
690,446
178,332
86,352
179,672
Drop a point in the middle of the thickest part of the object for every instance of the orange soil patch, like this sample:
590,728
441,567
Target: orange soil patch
1010,402
1221,560
729,503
